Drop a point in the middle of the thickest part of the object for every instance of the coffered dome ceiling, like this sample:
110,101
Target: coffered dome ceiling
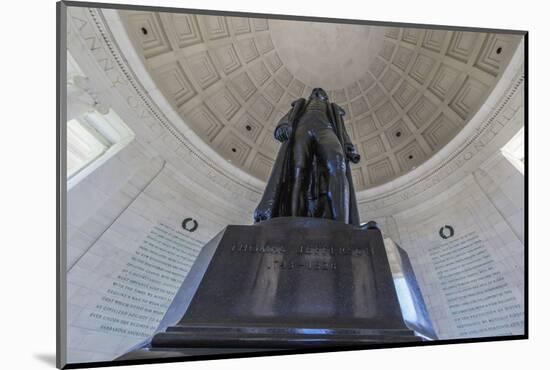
407,92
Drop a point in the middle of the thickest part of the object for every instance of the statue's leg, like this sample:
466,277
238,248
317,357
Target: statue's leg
300,167
298,206
332,156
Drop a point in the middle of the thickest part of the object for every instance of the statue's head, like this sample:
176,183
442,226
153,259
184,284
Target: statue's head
318,93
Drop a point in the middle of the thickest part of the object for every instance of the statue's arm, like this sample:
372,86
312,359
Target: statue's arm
341,113
284,127
351,152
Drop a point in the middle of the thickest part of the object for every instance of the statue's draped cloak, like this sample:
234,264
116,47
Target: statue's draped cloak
276,199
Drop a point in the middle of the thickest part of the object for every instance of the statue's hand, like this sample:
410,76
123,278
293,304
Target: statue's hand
282,133
352,154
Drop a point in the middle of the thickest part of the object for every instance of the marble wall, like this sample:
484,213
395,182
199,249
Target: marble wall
95,203
119,286
473,280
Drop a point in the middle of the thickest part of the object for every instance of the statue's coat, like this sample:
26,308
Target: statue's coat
275,201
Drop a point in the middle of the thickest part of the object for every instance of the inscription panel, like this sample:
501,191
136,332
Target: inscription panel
109,314
141,292
480,300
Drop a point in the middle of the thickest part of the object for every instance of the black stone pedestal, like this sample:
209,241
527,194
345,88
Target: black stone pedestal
291,283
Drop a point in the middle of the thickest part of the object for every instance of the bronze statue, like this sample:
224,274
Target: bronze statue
311,176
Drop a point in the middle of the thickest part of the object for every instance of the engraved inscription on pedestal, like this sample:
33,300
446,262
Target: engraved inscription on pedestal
312,256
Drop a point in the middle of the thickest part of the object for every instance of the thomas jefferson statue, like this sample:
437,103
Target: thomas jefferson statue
311,176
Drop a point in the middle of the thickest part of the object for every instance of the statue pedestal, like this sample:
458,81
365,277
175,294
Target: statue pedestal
286,283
